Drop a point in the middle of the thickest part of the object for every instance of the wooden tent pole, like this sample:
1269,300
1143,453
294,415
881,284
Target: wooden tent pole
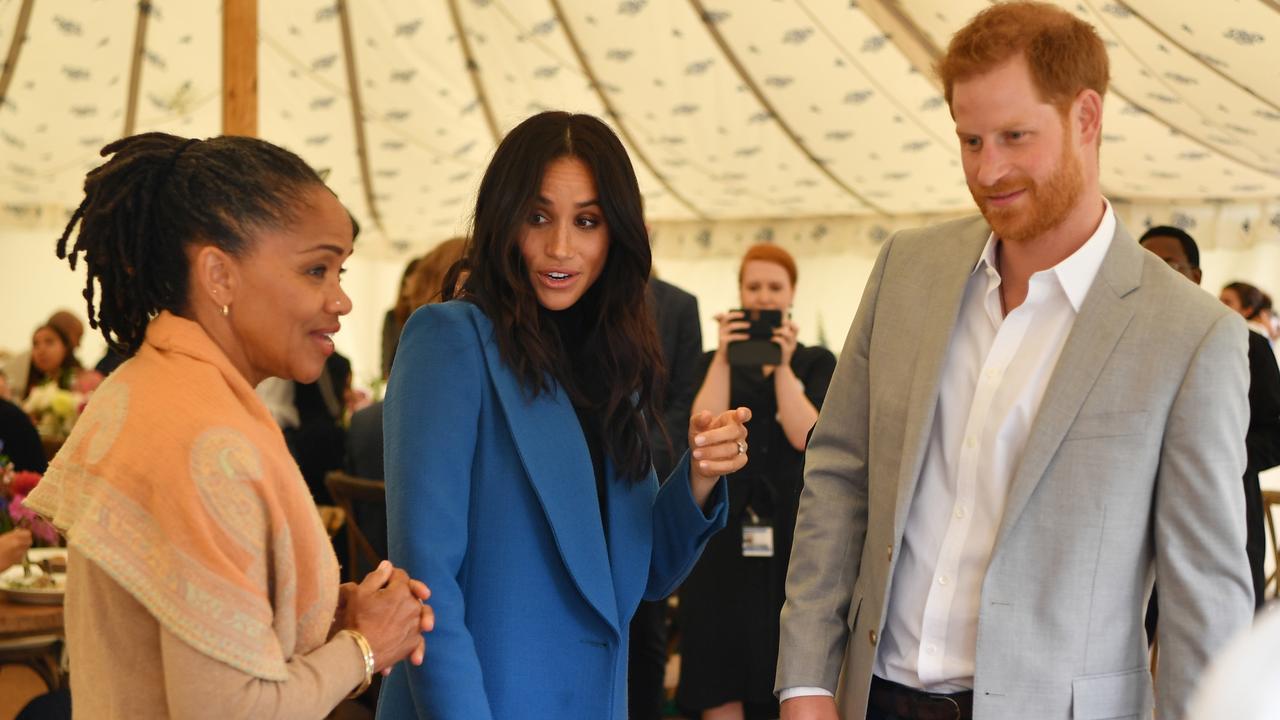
240,67
15,46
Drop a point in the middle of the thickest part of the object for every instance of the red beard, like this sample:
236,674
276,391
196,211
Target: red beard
1043,208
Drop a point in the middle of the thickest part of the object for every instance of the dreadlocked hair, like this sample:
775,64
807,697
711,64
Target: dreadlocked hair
157,195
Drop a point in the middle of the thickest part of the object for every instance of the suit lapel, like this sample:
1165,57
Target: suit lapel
630,537
952,270
1102,319
554,453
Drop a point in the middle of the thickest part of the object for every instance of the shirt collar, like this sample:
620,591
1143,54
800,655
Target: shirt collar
1077,271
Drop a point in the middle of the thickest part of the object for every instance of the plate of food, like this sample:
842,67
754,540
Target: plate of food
46,582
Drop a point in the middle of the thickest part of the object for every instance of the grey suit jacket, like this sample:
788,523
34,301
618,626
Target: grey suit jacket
1131,471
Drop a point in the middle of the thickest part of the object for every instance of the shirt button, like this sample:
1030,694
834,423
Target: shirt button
993,373
970,442
931,649
960,513
872,637
943,580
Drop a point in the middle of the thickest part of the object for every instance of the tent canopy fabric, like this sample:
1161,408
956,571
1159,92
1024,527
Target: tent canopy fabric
823,112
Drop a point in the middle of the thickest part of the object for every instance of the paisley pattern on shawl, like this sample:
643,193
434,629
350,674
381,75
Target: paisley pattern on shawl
178,484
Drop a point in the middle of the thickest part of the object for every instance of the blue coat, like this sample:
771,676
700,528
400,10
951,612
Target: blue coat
491,500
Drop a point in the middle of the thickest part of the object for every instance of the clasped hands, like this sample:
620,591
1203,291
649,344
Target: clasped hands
389,609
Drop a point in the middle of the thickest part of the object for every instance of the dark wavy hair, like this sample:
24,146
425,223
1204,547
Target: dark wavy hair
1252,299
625,349
159,193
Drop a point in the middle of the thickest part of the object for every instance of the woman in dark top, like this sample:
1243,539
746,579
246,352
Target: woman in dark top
519,470
729,605
19,440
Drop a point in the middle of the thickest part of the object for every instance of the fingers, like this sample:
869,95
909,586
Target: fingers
427,619
700,421
722,448
378,577
727,427
419,590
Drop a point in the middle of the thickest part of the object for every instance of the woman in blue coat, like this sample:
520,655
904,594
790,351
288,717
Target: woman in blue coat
520,485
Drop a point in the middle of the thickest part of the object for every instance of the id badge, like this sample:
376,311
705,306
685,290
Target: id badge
757,541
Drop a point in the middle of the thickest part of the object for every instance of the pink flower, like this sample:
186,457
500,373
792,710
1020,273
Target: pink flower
24,516
24,482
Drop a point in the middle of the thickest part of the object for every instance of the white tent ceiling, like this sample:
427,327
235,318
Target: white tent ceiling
733,110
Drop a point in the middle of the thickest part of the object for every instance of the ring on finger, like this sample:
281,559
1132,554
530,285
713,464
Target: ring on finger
742,448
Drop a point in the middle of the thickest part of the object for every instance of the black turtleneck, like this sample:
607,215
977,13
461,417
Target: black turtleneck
581,380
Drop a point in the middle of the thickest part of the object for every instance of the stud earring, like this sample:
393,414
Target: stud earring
225,310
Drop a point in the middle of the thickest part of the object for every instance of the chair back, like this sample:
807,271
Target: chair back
347,490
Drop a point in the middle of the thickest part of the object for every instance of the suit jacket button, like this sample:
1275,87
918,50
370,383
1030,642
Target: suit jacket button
872,636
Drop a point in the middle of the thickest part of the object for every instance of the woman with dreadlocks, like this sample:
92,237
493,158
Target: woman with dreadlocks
201,583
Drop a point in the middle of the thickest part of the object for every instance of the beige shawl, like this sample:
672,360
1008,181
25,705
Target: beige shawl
178,484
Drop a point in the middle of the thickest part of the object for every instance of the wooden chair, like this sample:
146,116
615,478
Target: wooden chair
347,490
1271,500
40,653
332,518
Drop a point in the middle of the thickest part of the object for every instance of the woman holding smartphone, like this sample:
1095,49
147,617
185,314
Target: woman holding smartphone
729,605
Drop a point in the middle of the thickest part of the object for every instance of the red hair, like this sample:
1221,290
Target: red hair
769,253
1064,53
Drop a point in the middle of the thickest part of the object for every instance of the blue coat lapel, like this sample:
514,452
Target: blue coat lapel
554,453
630,506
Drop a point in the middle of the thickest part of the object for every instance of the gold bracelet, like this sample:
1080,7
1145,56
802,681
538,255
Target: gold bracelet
366,651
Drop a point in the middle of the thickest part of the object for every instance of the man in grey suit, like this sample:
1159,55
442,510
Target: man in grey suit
990,491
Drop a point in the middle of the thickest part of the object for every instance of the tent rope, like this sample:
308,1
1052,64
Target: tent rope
598,88
357,115
790,132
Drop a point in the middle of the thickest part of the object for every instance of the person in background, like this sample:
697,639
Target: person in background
53,360
393,322
13,545
200,581
520,480
111,359
17,369
318,441
364,452
1262,440
19,440
675,314
729,605
1250,303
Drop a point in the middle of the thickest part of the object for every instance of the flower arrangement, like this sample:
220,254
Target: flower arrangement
55,409
14,488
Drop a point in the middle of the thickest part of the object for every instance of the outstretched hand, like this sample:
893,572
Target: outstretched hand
719,447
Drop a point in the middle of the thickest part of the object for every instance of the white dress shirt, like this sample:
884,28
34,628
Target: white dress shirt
996,372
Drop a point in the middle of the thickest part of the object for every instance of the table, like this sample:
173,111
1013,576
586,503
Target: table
32,635
18,619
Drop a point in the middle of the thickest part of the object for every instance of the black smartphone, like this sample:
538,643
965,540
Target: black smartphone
759,348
